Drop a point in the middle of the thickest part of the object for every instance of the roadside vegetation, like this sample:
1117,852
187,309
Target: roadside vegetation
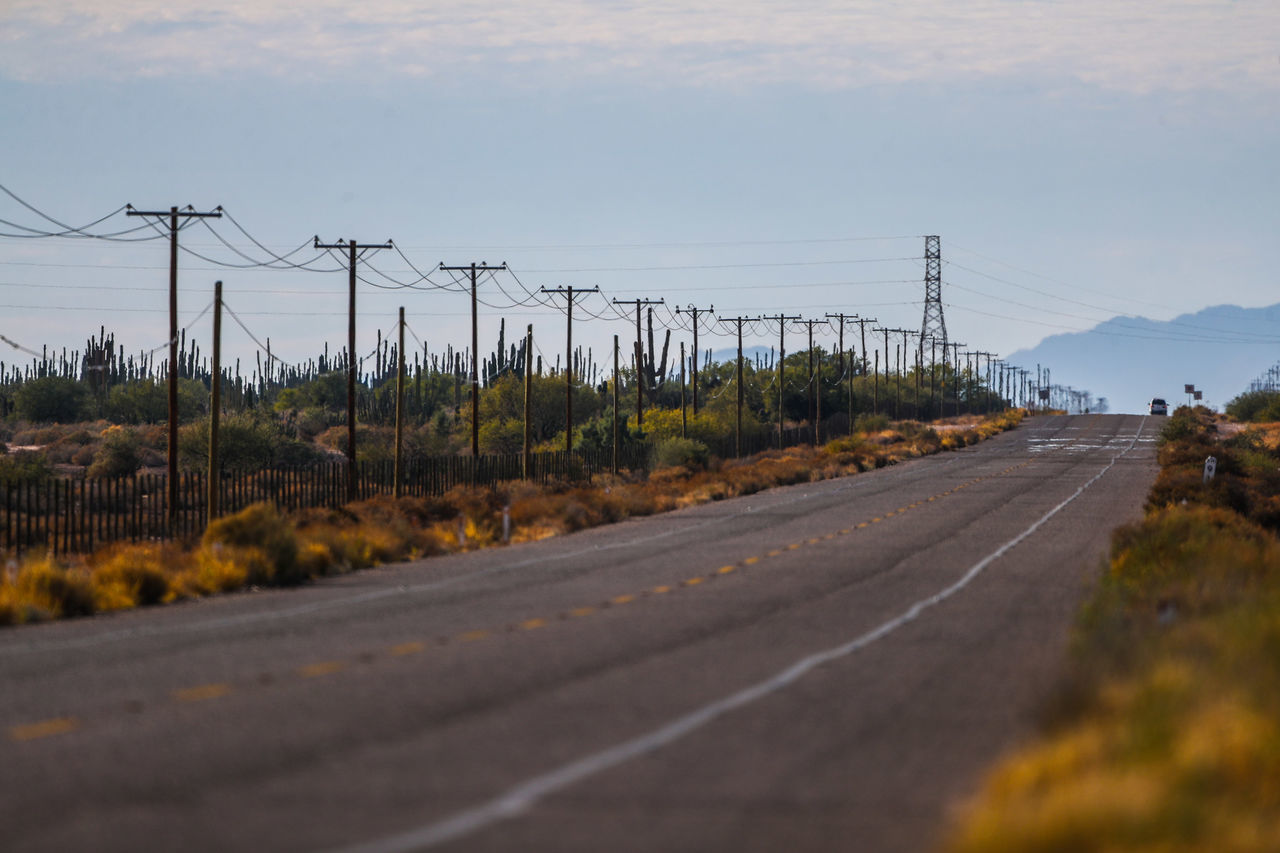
260,547
1166,735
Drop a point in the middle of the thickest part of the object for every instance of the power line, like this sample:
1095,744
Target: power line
671,245
725,266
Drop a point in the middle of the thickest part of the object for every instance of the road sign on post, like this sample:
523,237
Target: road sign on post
1210,468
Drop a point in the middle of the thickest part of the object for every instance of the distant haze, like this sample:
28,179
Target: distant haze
1129,360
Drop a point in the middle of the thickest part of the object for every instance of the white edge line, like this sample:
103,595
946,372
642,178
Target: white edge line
524,795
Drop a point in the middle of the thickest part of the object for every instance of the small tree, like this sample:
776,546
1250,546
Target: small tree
52,399
118,456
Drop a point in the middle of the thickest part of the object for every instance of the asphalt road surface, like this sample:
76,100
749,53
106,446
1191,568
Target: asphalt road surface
828,666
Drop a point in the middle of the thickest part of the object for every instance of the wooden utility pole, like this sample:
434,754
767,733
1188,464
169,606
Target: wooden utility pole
933,374
694,312
886,332
173,214
814,389
955,368
906,333
986,396
847,318
737,434
684,409
569,292
615,405
475,269
900,361
399,466
215,408
528,399
781,320
354,248
640,353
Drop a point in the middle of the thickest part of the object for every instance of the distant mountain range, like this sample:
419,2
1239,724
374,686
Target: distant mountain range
1129,360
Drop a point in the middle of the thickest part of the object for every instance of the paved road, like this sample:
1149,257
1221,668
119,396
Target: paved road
820,667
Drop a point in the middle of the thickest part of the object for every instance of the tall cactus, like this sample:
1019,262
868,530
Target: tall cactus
652,373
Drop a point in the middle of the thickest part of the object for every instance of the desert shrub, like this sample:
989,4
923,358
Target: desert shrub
1255,406
847,444
39,435
49,589
500,437
868,423
207,570
132,575
326,392
24,466
367,533
10,608
266,541
373,443
706,426
51,399
119,454
244,442
315,559
311,421
680,452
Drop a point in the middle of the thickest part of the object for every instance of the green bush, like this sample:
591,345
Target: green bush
147,402
51,399
119,455
868,423
24,466
1255,407
326,392
680,452
245,442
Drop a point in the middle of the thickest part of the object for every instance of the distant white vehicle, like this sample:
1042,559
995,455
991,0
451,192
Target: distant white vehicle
1158,407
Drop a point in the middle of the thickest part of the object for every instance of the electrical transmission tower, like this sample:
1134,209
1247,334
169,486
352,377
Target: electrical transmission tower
933,325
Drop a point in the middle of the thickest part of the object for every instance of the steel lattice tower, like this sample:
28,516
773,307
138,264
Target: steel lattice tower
933,326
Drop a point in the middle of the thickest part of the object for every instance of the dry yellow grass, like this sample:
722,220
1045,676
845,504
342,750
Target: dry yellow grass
259,546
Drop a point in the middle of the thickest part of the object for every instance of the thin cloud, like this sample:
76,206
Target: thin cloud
1170,45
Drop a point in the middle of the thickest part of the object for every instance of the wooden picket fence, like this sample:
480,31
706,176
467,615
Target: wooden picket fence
65,515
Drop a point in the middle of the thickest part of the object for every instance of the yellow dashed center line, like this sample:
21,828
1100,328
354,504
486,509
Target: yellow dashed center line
582,611
661,589
692,581
750,561
201,693
326,667
44,728
622,599
533,624
408,649
472,636
724,570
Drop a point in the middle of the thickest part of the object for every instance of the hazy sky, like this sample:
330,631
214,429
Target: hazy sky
1080,160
